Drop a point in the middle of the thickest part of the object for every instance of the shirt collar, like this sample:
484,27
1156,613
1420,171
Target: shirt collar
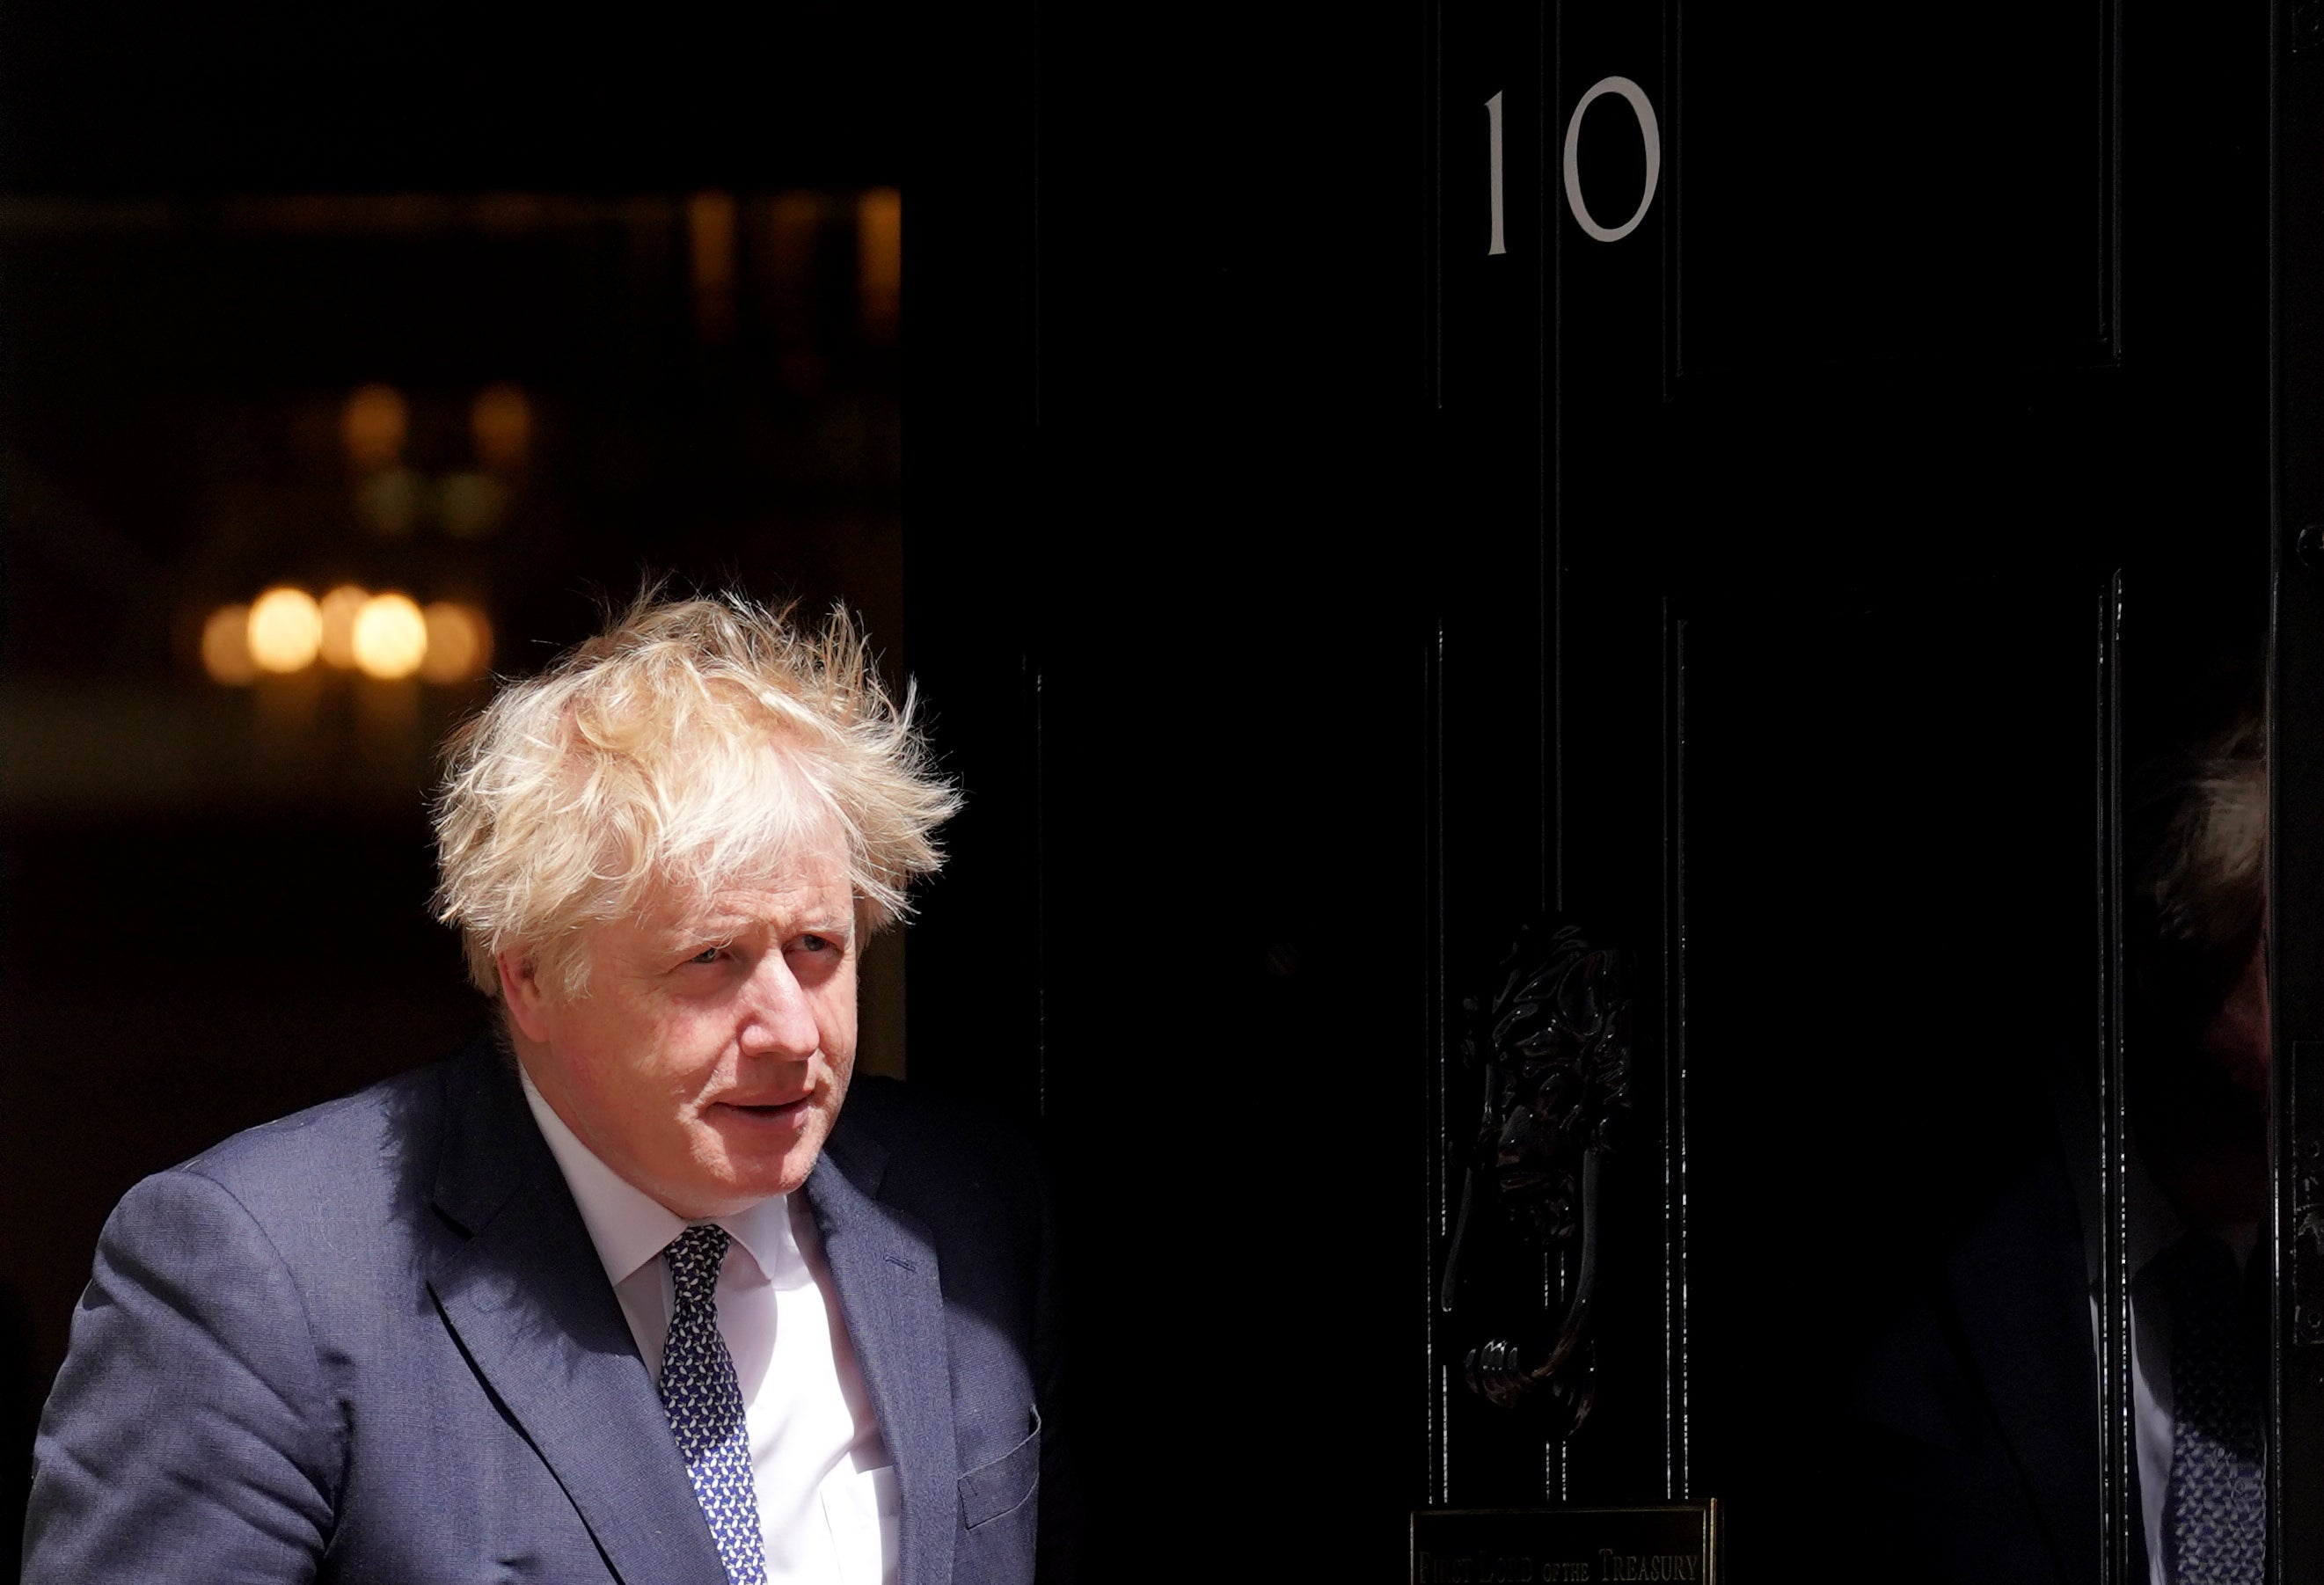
628,1226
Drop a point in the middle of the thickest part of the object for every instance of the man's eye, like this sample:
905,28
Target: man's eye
817,944
708,955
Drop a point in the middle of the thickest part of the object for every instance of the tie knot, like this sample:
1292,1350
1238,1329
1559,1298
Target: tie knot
695,1257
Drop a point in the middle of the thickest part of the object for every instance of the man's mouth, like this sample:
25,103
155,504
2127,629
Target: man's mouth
765,1111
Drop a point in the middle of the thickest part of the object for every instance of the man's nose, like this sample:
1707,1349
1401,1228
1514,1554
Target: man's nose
777,1020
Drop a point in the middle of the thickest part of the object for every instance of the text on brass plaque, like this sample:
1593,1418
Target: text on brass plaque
1673,1541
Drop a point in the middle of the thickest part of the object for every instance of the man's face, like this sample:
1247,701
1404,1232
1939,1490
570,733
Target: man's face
707,1060
2236,1037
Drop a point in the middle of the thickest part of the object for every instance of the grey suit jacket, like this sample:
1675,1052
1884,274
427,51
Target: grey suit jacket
372,1341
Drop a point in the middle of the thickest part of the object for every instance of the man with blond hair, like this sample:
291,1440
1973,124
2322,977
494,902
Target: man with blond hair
1978,1451
618,1293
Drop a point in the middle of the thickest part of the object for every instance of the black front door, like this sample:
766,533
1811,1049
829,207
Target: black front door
1781,502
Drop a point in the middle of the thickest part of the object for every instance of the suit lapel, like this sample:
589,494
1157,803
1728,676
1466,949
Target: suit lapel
892,1299
528,1298
2025,1309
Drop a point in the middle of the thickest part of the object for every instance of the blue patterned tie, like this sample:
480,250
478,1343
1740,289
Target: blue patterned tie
705,1405
2216,1511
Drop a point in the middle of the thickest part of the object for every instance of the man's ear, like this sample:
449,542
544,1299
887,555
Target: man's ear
522,994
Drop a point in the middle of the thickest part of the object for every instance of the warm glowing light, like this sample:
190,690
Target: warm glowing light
373,426
471,505
795,225
391,500
459,642
226,646
499,424
390,636
794,221
710,236
285,629
340,608
879,260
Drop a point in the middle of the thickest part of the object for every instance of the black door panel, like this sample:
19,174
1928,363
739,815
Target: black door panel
1772,547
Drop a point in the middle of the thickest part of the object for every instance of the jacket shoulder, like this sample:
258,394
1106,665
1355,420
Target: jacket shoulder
361,1154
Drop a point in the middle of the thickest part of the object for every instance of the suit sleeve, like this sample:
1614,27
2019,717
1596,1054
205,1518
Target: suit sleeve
189,1436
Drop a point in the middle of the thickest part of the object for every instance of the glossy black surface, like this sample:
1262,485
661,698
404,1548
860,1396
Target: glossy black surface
1732,586
2296,1472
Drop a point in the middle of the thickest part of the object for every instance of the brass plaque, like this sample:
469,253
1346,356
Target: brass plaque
1667,1541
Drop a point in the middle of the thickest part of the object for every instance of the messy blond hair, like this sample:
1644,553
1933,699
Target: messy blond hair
692,743
2208,878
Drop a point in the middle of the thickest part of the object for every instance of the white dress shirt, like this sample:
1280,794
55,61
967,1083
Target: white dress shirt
827,1499
2154,1225
2154,1228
